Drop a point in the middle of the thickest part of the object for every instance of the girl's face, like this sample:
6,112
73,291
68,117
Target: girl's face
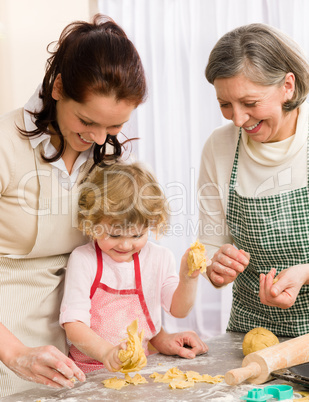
120,244
256,108
83,124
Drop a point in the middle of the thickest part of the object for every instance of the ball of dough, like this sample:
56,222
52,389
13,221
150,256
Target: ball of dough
257,339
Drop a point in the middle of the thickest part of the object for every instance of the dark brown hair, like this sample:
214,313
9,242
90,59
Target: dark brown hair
93,58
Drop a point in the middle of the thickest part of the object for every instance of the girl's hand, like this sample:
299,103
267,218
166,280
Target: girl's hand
110,358
43,365
284,291
184,268
227,264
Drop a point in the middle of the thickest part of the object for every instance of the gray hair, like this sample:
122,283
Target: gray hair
264,55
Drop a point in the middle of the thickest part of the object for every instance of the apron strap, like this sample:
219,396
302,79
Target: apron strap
99,270
308,155
141,294
233,178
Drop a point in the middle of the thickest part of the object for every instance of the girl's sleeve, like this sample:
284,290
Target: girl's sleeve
80,275
170,280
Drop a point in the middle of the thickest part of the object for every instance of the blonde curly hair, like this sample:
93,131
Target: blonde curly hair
124,195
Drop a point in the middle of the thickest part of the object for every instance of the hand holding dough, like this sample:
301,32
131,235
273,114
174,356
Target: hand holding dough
257,339
197,258
133,358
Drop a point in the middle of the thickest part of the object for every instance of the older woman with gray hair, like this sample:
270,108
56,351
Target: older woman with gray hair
253,183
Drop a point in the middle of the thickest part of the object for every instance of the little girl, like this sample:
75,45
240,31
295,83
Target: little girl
120,275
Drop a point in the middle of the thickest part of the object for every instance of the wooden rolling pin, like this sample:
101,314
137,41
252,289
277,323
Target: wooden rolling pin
258,366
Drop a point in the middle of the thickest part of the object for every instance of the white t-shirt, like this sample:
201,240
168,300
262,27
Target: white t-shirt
158,276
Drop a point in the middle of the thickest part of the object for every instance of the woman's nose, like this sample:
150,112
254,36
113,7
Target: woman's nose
239,117
99,136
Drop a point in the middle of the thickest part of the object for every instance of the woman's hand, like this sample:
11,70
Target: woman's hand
43,365
111,360
184,344
284,291
227,264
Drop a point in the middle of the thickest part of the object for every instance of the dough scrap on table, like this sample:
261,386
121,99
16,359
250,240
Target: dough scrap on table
178,379
137,379
196,377
197,258
180,384
115,383
169,375
133,358
118,383
258,339
174,377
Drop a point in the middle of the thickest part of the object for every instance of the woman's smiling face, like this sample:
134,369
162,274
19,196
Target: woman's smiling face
257,108
83,124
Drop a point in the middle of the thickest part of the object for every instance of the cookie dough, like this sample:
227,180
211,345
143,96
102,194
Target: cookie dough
174,377
118,383
137,379
169,375
178,379
115,383
133,358
180,384
257,339
197,258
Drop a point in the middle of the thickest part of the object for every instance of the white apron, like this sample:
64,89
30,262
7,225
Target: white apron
31,286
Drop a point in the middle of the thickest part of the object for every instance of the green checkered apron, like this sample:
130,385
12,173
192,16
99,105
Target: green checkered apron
275,231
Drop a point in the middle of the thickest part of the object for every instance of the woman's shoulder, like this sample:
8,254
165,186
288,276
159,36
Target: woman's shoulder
12,120
10,125
225,135
221,145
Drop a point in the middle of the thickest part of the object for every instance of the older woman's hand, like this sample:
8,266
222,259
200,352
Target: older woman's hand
184,344
284,291
227,263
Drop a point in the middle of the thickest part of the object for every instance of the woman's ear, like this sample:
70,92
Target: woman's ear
57,92
289,86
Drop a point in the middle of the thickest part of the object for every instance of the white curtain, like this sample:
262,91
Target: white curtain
174,39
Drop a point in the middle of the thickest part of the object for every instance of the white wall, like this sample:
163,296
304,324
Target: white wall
26,28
